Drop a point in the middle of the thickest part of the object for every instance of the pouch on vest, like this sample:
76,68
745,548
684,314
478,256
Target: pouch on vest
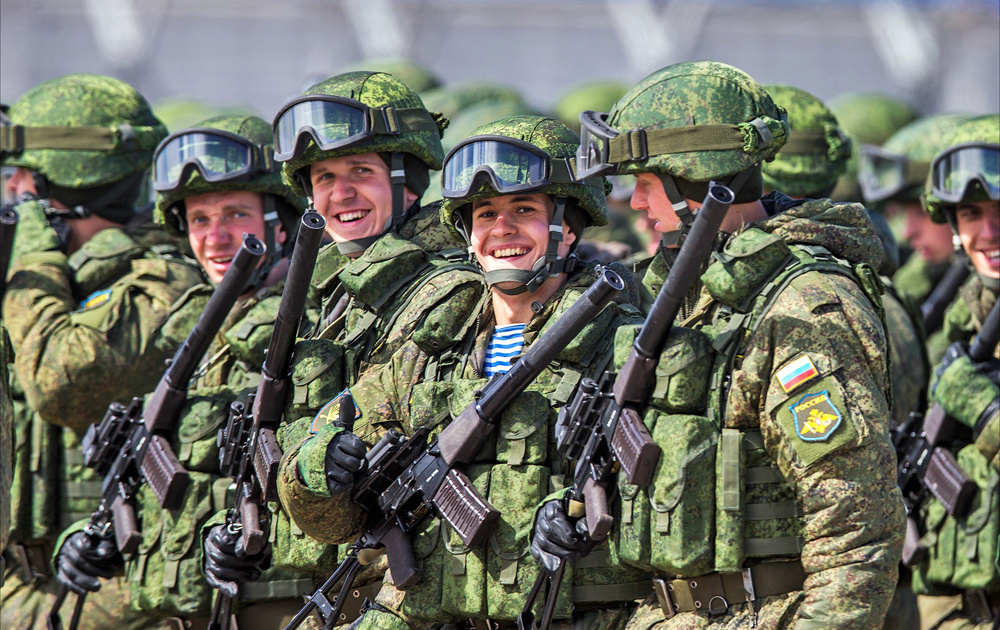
166,574
670,525
961,553
249,337
291,549
104,258
463,570
423,600
746,262
201,417
318,376
38,476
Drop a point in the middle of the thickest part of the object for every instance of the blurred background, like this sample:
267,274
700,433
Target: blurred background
190,56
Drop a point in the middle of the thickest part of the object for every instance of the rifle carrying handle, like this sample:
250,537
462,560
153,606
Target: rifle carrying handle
402,565
127,535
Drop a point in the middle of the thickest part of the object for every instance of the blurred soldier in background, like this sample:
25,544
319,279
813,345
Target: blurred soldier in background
87,311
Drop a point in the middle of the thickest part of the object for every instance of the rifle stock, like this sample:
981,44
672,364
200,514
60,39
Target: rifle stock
408,480
128,448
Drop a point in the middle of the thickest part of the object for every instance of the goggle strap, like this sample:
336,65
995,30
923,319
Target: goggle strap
915,172
805,142
640,144
18,138
394,121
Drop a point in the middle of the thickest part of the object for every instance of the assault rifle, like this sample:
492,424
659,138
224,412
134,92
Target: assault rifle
602,426
130,446
248,448
8,224
925,461
933,308
408,480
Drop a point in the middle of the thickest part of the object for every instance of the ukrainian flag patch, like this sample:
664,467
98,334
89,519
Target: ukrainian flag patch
95,299
816,417
798,372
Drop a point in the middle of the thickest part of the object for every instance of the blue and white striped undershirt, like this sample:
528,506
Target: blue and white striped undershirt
506,344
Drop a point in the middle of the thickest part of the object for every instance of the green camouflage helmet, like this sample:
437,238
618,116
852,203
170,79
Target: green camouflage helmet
898,169
81,131
380,92
451,100
871,118
559,143
598,96
817,149
979,129
265,179
697,121
418,77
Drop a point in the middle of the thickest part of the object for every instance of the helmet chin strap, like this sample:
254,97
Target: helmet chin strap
674,238
397,175
545,267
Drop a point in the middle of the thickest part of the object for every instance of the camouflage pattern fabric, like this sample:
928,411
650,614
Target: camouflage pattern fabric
6,443
400,395
907,361
87,330
851,510
916,278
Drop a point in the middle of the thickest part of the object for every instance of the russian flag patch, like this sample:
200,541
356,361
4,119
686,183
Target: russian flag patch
796,373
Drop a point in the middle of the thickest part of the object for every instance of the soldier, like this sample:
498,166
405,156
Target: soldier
775,504
511,193
958,581
86,309
892,177
215,182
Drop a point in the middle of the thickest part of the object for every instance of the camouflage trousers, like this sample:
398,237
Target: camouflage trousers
946,613
381,618
24,606
773,613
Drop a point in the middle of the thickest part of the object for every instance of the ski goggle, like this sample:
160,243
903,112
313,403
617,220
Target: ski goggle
883,174
954,170
219,156
333,122
507,164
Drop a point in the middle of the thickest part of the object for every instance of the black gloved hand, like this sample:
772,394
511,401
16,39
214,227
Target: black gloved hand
558,537
84,558
345,458
226,563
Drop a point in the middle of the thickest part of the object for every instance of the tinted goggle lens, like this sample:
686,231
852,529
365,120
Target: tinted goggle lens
510,167
216,157
330,123
880,174
956,169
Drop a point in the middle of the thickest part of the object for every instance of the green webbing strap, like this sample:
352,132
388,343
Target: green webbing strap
170,570
640,144
36,442
83,489
769,511
598,558
586,593
456,564
184,455
971,547
567,385
278,589
662,522
763,547
18,138
367,319
731,451
763,474
220,489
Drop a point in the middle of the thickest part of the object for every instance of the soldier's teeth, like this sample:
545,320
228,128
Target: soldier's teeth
347,217
510,251
993,255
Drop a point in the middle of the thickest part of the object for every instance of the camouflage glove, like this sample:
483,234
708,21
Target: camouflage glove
84,558
36,232
345,460
226,563
557,537
965,389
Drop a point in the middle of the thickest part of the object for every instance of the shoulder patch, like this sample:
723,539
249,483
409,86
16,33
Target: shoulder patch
95,299
798,372
816,417
329,413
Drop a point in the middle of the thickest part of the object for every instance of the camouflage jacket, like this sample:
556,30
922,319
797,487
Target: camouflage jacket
428,383
819,341
86,330
963,551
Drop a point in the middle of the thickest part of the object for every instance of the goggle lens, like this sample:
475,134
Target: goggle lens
217,157
880,174
510,166
956,168
330,123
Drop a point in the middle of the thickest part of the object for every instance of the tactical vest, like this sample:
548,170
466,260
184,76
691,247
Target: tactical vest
52,486
515,471
717,499
166,573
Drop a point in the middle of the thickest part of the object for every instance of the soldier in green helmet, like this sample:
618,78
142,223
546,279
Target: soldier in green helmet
215,182
511,192
892,177
774,501
86,308
957,577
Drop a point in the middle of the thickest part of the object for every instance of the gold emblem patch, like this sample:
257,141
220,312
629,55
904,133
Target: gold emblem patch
816,417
